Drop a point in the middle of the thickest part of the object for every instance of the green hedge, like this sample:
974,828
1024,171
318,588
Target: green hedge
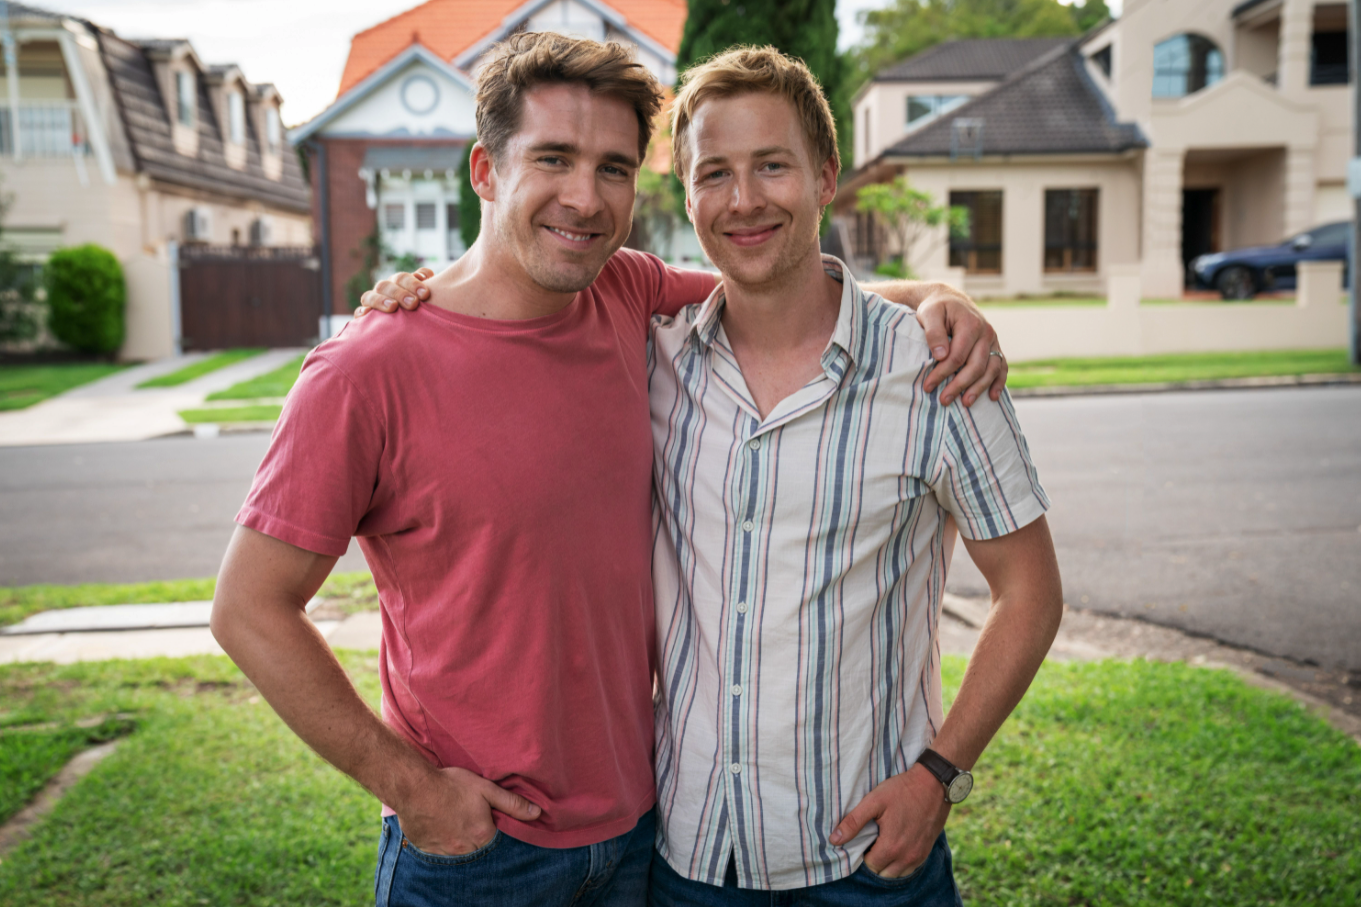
87,298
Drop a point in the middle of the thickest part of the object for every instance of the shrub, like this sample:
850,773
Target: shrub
86,297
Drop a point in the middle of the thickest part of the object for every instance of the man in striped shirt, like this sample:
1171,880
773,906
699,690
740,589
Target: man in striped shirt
808,488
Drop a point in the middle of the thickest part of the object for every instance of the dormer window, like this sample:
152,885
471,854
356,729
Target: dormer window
273,129
184,98
924,107
236,118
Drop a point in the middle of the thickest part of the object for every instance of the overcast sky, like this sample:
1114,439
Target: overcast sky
299,45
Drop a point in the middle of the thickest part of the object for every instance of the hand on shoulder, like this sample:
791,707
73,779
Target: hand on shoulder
401,289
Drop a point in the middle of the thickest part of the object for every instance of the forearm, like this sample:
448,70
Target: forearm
1021,625
909,293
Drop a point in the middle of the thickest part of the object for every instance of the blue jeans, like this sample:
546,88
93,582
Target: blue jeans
931,885
508,872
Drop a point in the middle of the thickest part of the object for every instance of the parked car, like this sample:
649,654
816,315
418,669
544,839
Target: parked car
1243,273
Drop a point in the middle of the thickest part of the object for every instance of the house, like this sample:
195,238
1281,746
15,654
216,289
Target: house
1178,129
135,146
385,155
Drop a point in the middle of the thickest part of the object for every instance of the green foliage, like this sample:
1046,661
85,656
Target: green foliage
18,317
271,384
907,27
225,415
24,385
408,262
912,216
202,367
369,253
87,298
806,29
469,204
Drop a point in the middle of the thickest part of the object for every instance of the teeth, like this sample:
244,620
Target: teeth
578,237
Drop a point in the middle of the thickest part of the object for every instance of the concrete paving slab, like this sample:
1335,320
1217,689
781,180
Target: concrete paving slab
358,631
68,648
112,409
114,617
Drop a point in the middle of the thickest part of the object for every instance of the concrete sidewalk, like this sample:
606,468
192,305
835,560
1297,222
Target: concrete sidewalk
113,409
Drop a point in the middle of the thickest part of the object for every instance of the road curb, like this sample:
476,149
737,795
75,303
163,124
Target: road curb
1273,381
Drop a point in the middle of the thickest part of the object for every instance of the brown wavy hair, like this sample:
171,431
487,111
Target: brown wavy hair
524,61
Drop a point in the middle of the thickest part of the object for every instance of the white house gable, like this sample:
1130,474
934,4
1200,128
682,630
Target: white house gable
417,100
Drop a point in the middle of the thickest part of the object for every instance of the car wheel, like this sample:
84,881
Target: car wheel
1236,283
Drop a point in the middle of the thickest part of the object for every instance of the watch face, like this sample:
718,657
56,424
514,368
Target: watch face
959,788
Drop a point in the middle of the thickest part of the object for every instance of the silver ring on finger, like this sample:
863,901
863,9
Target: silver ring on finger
998,354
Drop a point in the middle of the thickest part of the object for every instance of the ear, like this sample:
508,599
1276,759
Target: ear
827,183
482,174
689,207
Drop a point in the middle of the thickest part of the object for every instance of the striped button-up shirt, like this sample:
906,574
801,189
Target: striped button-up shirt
799,565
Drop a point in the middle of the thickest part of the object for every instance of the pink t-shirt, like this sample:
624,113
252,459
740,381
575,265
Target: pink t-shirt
498,476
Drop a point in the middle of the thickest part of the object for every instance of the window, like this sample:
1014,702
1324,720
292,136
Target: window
1102,59
1185,64
1328,63
981,251
866,236
451,217
1070,229
394,216
236,118
184,98
923,107
868,139
273,128
425,216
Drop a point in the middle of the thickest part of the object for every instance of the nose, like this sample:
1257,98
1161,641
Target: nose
746,196
579,193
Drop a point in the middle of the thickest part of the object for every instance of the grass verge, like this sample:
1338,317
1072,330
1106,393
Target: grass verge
24,385
268,412
201,368
1177,368
29,758
271,384
348,591
1115,783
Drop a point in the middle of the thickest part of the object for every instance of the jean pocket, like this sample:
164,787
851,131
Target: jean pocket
439,859
900,881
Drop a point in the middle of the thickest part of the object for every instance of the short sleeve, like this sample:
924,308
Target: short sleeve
985,478
681,287
318,477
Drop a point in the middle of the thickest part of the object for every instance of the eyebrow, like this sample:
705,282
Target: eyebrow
760,152
613,157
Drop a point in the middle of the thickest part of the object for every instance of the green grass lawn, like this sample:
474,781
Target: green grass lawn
1115,783
349,591
271,384
23,385
201,368
1176,368
265,412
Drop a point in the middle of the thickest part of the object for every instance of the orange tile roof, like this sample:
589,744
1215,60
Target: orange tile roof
449,27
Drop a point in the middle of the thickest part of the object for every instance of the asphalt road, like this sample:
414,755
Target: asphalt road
1235,514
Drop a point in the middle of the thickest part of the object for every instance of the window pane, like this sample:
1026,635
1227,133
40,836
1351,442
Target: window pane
981,251
237,115
394,216
1328,59
919,106
272,127
1185,64
1070,225
451,218
425,216
185,99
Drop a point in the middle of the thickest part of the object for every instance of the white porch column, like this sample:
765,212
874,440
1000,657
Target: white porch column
12,83
1162,268
1292,61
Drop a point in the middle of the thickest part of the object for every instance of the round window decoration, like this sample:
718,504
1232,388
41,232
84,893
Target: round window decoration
420,94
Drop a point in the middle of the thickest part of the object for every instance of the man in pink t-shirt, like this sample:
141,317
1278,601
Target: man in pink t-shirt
492,452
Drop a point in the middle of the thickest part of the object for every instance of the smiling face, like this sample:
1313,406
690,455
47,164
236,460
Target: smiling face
562,192
753,190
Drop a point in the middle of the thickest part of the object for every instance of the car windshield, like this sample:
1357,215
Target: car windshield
1327,235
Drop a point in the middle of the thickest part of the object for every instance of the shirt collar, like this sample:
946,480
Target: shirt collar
847,336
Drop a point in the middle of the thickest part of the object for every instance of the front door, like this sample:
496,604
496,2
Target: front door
1199,224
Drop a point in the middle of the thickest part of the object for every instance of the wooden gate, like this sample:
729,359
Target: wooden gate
249,296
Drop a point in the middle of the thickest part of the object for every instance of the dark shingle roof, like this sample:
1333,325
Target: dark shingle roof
147,121
1051,107
974,58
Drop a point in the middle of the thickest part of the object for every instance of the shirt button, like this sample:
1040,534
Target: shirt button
741,607
748,526
735,769
737,689
754,443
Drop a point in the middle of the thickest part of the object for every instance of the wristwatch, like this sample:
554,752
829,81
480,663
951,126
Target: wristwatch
957,782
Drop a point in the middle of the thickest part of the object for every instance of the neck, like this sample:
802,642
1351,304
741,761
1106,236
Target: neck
798,308
488,282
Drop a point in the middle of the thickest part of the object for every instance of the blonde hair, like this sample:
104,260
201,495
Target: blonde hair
529,59
744,69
